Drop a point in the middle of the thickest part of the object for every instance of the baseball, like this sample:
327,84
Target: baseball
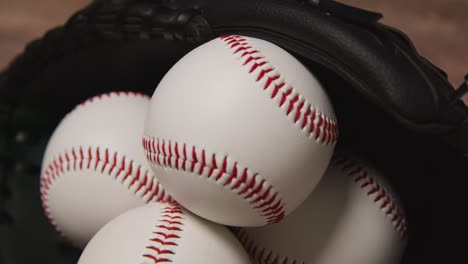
351,217
163,233
94,167
239,131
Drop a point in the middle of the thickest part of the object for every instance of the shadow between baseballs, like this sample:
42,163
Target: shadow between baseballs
319,218
310,232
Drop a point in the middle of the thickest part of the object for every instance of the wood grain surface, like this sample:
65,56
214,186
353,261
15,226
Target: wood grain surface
439,28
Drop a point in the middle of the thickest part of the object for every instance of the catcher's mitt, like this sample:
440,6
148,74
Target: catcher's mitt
393,106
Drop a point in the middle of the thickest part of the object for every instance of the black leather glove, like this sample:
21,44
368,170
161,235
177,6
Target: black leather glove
393,106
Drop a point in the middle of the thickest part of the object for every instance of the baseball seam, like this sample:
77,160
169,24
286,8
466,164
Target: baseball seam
113,93
316,124
119,166
140,181
167,233
359,175
263,255
375,191
250,185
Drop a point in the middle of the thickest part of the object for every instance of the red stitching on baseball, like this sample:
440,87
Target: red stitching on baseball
166,233
70,161
124,170
260,254
245,183
360,176
377,192
113,93
321,127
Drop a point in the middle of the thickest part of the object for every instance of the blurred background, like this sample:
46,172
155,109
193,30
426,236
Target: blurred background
438,28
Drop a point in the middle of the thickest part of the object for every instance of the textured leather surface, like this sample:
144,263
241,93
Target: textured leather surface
381,65
392,105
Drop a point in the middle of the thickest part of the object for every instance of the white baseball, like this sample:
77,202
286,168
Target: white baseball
239,131
163,233
94,167
351,217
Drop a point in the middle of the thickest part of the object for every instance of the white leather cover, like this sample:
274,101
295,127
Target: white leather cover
163,233
239,131
351,217
94,167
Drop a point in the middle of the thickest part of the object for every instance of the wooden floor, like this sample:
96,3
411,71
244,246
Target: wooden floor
439,28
